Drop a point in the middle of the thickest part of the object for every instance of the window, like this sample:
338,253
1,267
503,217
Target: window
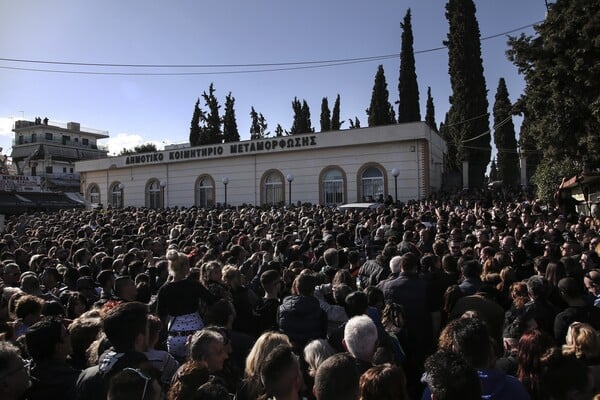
94,194
64,170
371,184
272,188
332,186
33,138
20,139
116,195
48,136
71,170
66,139
205,192
49,169
154,194
85,142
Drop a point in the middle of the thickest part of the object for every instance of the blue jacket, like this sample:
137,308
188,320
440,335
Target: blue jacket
302,319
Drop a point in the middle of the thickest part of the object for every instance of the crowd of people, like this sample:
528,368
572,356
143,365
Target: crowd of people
467,296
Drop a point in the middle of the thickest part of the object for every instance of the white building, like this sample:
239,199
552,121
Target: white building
324,168
49,150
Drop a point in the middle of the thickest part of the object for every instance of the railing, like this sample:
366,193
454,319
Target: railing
60,142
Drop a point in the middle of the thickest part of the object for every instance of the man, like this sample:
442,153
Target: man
134,383
449,377
14,378
471,272
360,340
577,310
126,327
208,346
11,274
281,375
591,281
125,289
49,345
337,379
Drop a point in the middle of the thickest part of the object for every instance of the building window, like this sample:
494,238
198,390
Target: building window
48,136
154,194
33,138
333,186
272,188
116,195
94,194
85,142
64,170
49,169
71,170
20,139
372,184
205,192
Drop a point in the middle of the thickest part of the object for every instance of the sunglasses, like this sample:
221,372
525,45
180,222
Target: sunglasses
142,375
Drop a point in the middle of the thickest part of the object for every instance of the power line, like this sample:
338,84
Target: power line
280,66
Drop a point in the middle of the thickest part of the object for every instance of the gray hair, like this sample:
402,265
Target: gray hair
360,337
315,353
395,266
200,342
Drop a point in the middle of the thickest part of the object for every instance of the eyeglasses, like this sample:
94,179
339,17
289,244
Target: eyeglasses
142,375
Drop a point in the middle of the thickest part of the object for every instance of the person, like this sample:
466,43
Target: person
449,377
49,345
281,375
161,360
360,340
265,311
383,382
14,378
178,302
572,293
337,378
470,338
133,383
252,386
583,342
533,344
126,327
189,377
315,352
208,346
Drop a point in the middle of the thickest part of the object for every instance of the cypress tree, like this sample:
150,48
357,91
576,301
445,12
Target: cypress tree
195,130
408,108
504,137
325,116
380,110
335,115
279,130
307,125
493,171
430,116
297,122
254,125
213,121
230,128
468,118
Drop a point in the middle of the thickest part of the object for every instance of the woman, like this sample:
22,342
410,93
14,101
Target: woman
252,387
383,382
583,342
177,304
532,346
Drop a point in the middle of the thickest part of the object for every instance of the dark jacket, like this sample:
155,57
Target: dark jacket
302,319
52,380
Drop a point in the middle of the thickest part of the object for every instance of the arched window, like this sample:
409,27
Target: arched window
205,192
272,188
94,194
116,195
372,184
333,186
154,194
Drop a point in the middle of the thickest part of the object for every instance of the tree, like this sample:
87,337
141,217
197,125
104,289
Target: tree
230,128
354,124
561,100
430,116
325,116
493,171
301,123
142,148
335,115
195,131
380,111
528,148
212,129
408,104
258,127
279,130
468,118
504,138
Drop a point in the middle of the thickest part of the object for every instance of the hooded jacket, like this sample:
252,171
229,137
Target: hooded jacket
302,319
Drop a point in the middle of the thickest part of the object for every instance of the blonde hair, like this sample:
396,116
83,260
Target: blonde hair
177,261
582,341
315,353
264,345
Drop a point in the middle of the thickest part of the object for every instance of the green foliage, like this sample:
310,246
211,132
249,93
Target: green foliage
408,105
212,129
380,111
335,115
279,131
467,126
301,123
549,175
325,116
354,124
504,138
430,116
258,127
230,128
195,130
493,171
561,70
142,148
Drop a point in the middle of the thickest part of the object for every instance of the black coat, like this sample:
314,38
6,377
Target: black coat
302,319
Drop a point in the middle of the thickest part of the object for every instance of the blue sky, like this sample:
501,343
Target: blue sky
140,109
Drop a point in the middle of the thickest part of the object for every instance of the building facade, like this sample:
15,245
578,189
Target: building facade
49,151
404,161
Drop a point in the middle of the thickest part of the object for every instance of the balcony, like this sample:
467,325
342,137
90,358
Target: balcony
59,142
